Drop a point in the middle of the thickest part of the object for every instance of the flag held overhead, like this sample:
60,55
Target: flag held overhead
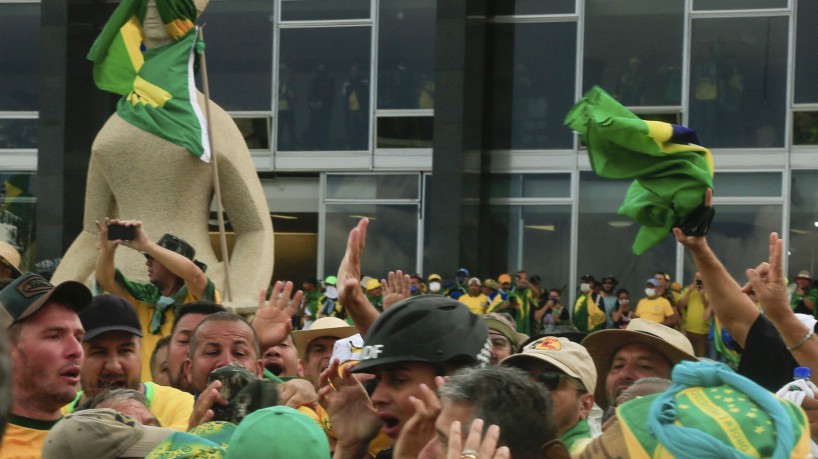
671,172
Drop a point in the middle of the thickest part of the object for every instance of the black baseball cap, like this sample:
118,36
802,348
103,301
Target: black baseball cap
109,313
30,292
180,246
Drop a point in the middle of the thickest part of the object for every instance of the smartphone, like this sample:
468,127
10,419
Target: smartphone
121,232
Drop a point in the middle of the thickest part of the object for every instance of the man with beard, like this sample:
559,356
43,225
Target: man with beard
112,345
44,341
187,318
315,345
644,349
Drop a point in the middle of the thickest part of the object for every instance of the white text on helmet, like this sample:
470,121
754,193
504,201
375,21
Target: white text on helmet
371,352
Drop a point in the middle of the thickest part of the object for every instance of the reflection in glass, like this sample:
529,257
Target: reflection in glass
738,80
391,239
740,237
19,56
803,230
314,10
406,54
529,99
405,132
530,186
805,128
17,133
536,239
625,56
744,184
712,5
323,94
403,186
806,66
524,7
239,37
611,254
256,132
18,206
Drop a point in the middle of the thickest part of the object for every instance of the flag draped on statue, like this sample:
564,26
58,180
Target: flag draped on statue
671,171
157,85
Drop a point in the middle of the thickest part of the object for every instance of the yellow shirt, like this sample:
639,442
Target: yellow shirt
24,438
656,309
171,407
693,315
477,304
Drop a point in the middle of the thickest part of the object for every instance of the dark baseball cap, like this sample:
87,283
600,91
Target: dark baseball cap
30,292
109,313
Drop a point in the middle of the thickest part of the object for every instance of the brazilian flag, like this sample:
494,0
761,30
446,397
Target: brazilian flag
157,85
671,172
588,317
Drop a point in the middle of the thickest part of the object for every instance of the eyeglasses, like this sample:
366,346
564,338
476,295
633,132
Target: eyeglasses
551,380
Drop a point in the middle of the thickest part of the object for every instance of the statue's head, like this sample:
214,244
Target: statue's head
153,29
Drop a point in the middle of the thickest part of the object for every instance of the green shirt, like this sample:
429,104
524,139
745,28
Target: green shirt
577,438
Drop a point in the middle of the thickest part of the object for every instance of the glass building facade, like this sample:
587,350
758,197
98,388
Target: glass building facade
347,109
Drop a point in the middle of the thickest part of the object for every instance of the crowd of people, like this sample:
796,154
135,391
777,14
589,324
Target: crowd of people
403,367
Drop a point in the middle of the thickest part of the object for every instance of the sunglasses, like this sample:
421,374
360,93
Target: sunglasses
551,380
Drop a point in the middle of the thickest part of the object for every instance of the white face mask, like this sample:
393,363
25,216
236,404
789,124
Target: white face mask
650,291
434,287
332,292
584,287
624,301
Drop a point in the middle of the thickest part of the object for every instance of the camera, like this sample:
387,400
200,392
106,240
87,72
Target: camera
699,283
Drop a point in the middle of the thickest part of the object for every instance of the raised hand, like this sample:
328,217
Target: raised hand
396,288
351,413
477,446
768,282
349,280
420,428
272,321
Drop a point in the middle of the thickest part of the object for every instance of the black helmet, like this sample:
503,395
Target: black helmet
426,328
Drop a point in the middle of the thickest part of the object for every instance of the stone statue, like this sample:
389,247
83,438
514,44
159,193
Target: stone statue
134,174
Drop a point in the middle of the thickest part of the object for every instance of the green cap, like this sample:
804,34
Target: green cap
30,292
278,431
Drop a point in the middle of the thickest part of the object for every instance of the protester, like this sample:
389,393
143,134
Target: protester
112,344
159,362
566,369
642,350
187,318
315,345
175,276
45,336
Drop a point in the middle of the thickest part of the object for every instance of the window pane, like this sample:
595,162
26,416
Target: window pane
372,187
522,7
256,132
740,236
803,232
530,186
805,128
741,184
312,10
18,214
16,133
406,54
19,56
239,37
625,55
806,63
405,132
738,81
323,96
711,5
528,98
391,240
611,254
534,238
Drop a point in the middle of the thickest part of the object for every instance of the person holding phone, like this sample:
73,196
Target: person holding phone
175,276
692,306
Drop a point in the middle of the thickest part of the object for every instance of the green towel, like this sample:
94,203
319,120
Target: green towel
671,172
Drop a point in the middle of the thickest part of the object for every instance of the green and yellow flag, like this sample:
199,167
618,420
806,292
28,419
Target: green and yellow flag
157,85
588,317
671,171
